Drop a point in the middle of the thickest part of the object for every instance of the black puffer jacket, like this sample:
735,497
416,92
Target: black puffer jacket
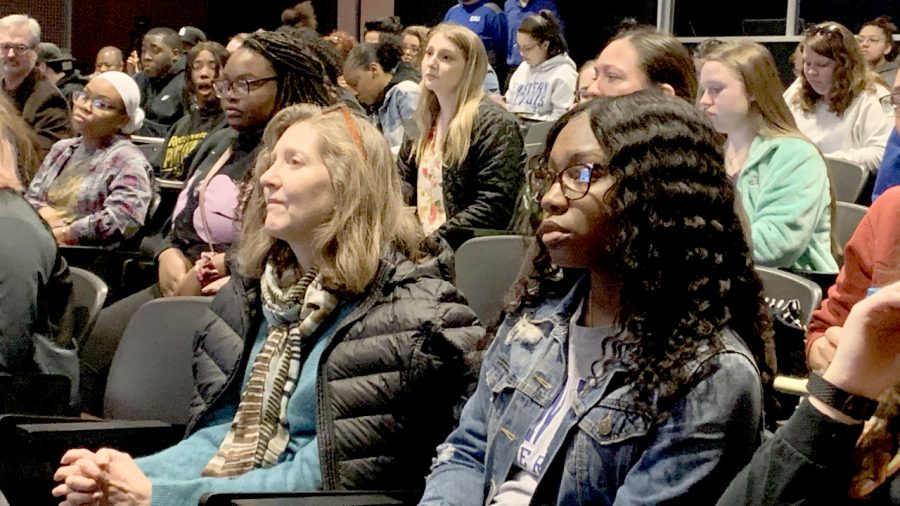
389,380
481,191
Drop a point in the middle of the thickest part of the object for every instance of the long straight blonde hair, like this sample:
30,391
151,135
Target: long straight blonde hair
18,156
368,209
754,65
469,93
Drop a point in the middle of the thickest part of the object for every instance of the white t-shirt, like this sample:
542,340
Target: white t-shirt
529,465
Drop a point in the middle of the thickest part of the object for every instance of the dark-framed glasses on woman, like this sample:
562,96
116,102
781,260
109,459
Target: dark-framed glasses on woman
241,87
97,103
574,180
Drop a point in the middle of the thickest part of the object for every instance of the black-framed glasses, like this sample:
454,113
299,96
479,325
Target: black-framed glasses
890,103
242,87
574,181
97,103
17,49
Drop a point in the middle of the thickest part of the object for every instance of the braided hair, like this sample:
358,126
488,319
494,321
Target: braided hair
301,75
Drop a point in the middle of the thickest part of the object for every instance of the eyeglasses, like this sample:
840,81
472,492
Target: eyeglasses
574,181
890,104
525,49
96,102
17,49
242,87
870,40
411,50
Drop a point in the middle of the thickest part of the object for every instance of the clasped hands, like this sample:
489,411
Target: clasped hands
107,477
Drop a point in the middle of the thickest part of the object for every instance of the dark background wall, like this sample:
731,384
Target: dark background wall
588,23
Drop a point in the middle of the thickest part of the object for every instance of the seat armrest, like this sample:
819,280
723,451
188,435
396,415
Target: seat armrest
319,498
137,438
790,385
32,448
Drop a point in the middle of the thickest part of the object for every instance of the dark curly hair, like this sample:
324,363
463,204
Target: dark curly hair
678,246
325,51
888,28
302,77
301,15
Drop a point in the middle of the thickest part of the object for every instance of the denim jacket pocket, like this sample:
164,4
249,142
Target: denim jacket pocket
502,383
608,424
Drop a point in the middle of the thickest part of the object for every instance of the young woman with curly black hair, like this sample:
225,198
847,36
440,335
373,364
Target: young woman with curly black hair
631,370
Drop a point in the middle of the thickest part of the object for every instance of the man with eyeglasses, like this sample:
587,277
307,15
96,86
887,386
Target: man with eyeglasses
41,104
161,81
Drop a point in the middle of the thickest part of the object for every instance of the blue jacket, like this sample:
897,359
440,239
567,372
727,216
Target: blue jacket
515,13
488,22
889,172
395,114
785,192
606,451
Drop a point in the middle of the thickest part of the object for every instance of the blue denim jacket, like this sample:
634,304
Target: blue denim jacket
612,453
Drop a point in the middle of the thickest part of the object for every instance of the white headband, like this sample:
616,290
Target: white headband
131,97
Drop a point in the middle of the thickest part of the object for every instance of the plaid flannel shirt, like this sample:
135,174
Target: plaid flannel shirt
114,196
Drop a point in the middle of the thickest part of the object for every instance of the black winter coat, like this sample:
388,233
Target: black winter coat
481,191
389,381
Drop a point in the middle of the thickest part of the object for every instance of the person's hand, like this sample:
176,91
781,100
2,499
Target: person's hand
821,352
219,261
61,234
79,476
214,287
125,483
189,284
867,361
173,267
106,477
53,217
133,64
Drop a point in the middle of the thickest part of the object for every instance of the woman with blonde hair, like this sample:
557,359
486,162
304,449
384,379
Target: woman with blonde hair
19,158
340,346
781,176
835,99
35,327
465,168
414,38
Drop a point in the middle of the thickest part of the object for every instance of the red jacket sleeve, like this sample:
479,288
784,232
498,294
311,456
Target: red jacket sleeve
874,245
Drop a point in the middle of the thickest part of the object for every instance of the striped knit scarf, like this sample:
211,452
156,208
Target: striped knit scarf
259,432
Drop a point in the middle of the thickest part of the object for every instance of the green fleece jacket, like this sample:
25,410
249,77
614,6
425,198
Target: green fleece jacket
785,192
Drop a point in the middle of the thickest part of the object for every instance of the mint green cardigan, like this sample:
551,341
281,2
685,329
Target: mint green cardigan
785,192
